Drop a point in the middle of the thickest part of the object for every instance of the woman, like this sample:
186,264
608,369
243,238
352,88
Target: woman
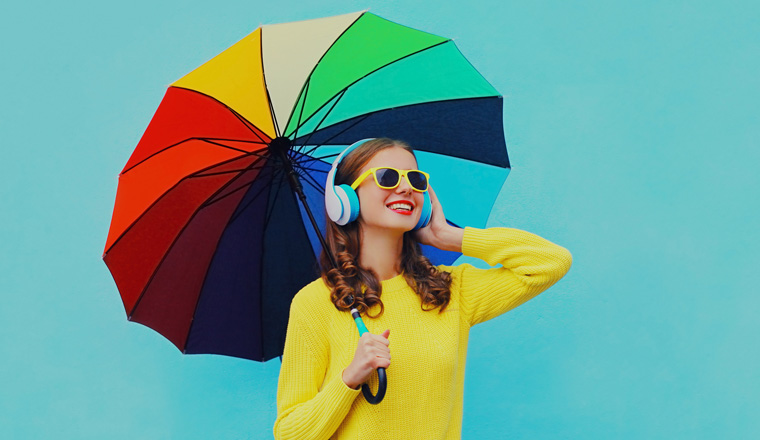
419,313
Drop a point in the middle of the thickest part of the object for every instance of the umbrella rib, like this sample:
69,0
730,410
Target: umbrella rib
367,115
253,153
198,173
246,186
219,199
217,174
205,276
470,98
300,114
232,140
327,156
202,172
174,241
314,184
304,157
358,121
309,176
311,133
245,122
312,150
271,111
313,69
361,118
253,199
210,201
264,78
236,114
278,186
317,170
182,142
301,163
359,79
308,153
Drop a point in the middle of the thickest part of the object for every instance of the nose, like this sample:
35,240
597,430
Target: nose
404,186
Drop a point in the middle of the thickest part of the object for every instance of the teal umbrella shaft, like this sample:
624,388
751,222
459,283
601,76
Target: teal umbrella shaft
359,323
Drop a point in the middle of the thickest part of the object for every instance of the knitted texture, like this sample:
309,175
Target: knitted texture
428,349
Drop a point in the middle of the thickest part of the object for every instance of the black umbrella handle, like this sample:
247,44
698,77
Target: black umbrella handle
377,398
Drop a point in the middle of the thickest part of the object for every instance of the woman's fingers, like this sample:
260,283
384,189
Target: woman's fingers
377,350
437,208
381,363
374,340
372,352
379,347
384,352
380,340
433,197
380,358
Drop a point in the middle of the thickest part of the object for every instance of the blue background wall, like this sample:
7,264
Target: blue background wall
633,130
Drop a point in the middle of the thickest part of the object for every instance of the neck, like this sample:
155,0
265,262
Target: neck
381,251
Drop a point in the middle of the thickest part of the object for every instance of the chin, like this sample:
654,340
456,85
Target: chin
405,225
394,225
391,221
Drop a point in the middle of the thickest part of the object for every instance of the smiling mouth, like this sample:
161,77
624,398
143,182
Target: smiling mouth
401,208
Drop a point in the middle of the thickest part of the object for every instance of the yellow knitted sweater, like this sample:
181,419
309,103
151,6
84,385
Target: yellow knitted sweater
428,349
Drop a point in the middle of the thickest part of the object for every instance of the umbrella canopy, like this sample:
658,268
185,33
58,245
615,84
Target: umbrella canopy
208,242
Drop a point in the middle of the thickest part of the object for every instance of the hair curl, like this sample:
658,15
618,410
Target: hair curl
356,286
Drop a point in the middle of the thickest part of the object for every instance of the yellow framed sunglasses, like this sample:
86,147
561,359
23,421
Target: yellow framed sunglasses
390,178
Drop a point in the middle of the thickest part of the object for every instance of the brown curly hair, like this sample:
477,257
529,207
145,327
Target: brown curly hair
356,286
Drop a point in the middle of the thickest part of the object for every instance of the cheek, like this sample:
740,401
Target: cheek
368,198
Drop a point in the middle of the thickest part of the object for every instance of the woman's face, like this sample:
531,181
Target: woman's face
396,209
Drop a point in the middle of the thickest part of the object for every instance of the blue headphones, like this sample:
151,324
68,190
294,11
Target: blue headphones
342,203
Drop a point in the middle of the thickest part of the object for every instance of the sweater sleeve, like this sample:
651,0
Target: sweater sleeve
309,405
530,265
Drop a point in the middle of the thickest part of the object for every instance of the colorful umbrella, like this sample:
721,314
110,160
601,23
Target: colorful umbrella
208,242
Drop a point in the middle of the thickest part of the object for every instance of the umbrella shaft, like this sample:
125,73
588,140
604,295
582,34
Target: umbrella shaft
295,184
292,175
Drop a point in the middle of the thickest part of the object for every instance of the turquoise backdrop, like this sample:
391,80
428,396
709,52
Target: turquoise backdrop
633,129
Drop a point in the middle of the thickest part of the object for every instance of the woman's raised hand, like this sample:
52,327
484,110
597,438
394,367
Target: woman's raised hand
372,352
438,232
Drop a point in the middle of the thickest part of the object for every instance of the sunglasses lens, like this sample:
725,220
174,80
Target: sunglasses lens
387,178
417,180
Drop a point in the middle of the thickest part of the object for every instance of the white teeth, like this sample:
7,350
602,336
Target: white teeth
405,206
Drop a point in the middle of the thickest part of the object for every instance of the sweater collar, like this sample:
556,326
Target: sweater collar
394,284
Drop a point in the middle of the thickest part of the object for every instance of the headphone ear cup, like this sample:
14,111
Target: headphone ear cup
333,204
350,203
427,212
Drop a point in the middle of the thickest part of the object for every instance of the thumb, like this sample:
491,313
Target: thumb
386,333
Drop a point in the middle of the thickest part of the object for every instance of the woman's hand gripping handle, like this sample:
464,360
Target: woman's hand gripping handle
372,353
